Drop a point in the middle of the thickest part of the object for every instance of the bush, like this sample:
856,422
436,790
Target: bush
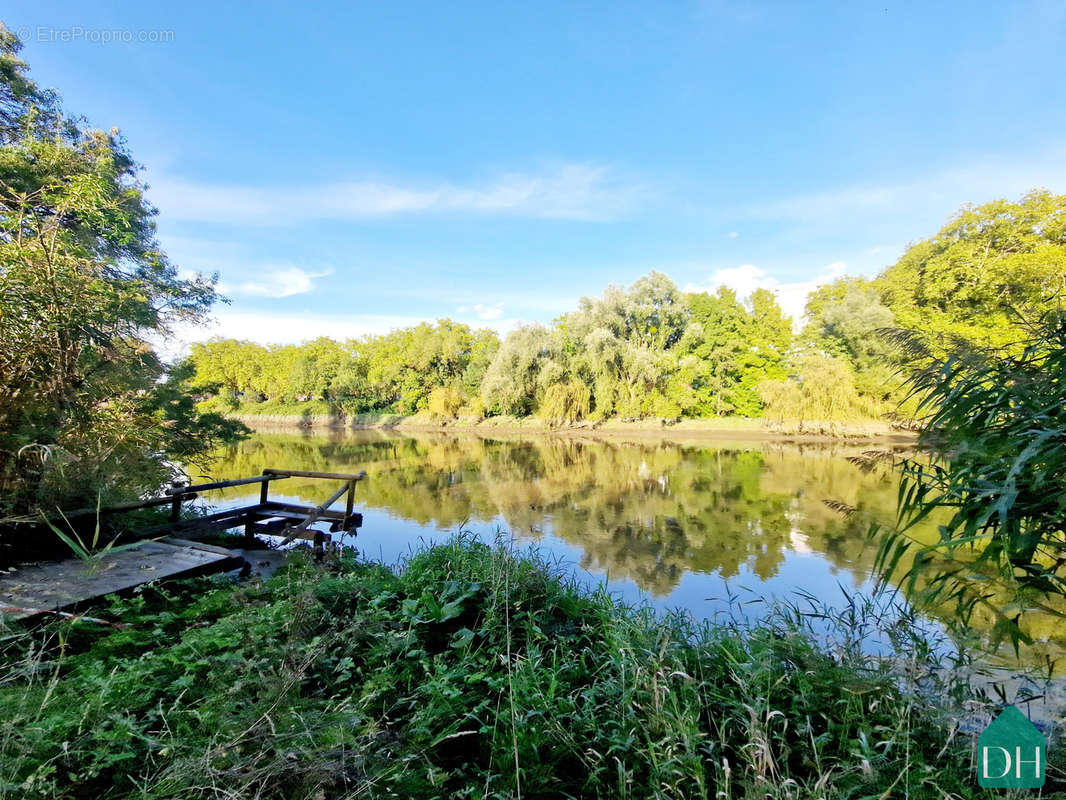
565,403
470,673
822,391
445,402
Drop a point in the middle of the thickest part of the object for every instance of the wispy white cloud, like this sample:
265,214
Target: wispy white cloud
932,196
276,282
483,311
570,191
792,295
733,235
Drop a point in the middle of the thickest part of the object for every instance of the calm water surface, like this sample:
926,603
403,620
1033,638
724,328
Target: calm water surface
679,524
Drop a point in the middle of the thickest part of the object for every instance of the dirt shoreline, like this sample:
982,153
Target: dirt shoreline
730,429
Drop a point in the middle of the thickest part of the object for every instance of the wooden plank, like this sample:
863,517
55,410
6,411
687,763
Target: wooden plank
315,514
338,476
207,487
267,509
220,520
60,585
210,548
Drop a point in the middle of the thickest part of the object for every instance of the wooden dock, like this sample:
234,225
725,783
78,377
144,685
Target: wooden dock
63,585
57,587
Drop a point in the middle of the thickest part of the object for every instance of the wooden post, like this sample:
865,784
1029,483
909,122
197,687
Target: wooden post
349,506
315,513
175,504
264,491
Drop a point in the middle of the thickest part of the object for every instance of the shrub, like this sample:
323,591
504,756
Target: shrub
470,673
445,402
565,403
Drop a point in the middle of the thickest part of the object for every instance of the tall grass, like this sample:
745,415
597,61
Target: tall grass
472,672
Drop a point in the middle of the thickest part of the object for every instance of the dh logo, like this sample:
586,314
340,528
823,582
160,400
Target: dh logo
1011,753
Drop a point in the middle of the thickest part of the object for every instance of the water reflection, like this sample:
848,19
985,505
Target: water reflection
647,511
680,523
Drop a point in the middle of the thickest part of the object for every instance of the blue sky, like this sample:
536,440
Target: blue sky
352,167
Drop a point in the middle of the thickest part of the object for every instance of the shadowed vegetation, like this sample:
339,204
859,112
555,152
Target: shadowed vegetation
87,409
471,673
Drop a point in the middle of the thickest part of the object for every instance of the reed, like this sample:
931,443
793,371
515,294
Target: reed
475,671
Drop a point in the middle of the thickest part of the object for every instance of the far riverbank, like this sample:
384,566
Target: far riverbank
717,428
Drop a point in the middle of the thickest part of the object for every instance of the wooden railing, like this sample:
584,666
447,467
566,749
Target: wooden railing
287,520
348,487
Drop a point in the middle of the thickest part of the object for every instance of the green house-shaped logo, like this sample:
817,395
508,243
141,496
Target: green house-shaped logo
1011,753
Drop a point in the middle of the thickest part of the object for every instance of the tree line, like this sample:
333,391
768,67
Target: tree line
89,412
651,350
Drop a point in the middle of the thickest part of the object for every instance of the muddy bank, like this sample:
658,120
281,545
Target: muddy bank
730,428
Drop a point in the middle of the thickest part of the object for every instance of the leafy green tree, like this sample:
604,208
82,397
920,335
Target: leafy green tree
396,372
738,346
84,286
511,384
987,267
717,340
231,366
351,384
847,319
623,346
407,364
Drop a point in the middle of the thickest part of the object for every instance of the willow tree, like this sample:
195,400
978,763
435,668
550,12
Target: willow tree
847,319
84,288
624,346
512,382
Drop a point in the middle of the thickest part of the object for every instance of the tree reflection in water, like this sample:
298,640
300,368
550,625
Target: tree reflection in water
653,512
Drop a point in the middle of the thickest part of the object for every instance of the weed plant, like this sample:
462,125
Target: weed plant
470,672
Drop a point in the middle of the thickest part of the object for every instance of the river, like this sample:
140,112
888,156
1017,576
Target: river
709,526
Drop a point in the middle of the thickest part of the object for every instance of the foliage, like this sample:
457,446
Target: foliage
848,320
471,673
996,428
84,287
988,265
565,403
648,350
822,390
736,348
397,371
511,382
445,402
623,345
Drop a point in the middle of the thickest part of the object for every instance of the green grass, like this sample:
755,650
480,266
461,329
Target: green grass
471,672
